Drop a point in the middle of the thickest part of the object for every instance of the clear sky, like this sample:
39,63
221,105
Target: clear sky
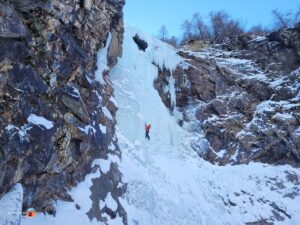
150,15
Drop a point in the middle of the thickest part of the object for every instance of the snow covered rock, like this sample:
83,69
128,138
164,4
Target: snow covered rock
277,51
248,97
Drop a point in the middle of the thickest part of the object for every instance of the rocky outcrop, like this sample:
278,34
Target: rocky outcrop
53,106
245,98
142,45
278,52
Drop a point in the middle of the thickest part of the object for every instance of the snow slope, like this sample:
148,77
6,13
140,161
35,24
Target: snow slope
11,206
167,182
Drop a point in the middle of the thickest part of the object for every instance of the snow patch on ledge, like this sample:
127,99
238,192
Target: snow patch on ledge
22,132
88,129
110,202
102,128
105,164
40,121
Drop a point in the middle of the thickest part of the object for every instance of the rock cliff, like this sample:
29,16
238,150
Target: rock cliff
241,98
57,108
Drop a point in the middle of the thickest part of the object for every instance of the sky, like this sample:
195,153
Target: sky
150,15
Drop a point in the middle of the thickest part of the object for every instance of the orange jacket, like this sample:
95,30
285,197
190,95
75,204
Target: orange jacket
147,127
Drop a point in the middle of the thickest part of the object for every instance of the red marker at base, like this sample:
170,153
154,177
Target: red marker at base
30,213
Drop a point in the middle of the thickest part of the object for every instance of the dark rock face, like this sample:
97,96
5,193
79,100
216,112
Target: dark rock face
247,97
51,105
11,23
142,45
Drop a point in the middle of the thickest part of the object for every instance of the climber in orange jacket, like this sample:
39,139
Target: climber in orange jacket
147,129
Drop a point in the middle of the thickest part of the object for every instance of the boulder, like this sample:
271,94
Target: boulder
71,98
11,23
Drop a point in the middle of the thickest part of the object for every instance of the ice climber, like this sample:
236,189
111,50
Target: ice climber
147,128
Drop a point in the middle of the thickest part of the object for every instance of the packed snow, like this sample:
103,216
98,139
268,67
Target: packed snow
104,164
75,93
40,121
22,131
102,128
88,129
11,206
109,202
260,38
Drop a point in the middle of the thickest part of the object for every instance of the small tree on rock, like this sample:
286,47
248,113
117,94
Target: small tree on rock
163,33
200,27
223,27
187,28
282,19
